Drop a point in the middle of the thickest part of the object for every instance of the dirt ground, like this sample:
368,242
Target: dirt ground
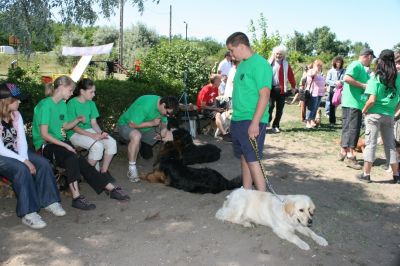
165,226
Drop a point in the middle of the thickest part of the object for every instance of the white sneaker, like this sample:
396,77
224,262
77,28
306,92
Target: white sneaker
56,209
133,174
34,221
276,130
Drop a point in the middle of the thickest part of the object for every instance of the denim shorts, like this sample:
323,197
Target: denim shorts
241,143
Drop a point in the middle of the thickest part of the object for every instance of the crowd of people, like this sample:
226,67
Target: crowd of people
246,87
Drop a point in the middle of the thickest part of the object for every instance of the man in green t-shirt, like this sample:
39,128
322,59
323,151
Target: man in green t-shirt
250,100
353,100
145,121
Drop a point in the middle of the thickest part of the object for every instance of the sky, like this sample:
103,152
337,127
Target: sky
371,21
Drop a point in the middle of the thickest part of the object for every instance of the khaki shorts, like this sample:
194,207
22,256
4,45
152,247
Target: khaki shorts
148,137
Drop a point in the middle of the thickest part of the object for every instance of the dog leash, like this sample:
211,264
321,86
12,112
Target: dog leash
254,145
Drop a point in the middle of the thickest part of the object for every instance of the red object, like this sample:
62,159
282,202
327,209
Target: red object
207,94
47,79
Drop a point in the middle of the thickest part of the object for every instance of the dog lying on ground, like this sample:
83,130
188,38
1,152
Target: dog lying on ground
295,213
191,153
172,170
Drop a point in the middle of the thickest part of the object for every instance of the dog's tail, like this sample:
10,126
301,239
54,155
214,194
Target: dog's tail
235,183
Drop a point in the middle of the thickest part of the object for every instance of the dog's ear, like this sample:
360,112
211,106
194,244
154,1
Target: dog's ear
289,208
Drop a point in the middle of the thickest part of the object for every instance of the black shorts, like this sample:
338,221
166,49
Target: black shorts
351,127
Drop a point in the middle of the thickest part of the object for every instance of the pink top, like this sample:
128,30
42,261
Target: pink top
318,86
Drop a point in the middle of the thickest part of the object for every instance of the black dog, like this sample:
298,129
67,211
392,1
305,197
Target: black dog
172,170
191,153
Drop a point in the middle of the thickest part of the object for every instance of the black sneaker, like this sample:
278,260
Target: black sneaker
83,204
119,194
364,178
396,179
227,137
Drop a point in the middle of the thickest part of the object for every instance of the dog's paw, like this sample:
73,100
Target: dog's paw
321,241
303,245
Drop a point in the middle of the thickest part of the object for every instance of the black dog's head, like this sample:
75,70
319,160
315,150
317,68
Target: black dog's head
182,136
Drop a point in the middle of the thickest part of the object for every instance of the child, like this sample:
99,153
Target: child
49,121
88,134
31,175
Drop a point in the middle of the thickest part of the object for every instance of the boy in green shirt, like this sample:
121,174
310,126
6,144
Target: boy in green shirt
251,91
140,123
355,82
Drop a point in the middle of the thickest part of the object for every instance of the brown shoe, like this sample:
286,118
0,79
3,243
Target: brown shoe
341,156
352,163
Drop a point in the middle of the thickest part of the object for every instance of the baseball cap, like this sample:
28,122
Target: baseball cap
367,51
11,90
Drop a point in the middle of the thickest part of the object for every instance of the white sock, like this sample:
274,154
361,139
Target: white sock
132,164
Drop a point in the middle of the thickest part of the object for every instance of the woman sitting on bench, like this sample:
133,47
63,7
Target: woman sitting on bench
31,175
88,134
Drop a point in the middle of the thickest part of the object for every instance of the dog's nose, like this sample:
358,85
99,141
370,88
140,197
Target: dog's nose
309,221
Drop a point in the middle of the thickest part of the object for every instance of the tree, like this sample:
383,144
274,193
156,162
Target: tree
177,62
137,41
265,43
104,35
31,19
396,47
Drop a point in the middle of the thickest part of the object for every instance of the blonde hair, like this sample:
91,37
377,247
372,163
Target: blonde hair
318,62
63,81
4,107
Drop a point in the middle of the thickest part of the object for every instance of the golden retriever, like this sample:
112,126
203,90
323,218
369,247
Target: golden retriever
295,213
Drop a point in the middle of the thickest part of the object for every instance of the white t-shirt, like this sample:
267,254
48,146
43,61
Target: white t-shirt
224,67
229,82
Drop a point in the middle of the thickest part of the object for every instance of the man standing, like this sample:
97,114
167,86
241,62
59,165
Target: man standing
145,121
225,65
282,74
353,101
251,91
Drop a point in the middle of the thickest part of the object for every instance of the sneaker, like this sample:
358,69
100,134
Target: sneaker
276,130
352,163
133,174
396,179
119,194
341,156
56,209
364,178
227,137
33,220
83,204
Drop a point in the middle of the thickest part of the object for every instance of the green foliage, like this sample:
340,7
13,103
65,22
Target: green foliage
138,39
104,35
396,47
175,62
30,20
264,44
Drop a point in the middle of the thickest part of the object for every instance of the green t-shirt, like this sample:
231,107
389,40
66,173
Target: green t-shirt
88,109
353,97
386,101
252,75
143,109
47,112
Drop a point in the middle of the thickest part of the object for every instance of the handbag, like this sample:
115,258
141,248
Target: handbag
308,92
337,96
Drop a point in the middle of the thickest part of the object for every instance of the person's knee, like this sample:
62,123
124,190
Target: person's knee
135,136
22,176
96,151
110,146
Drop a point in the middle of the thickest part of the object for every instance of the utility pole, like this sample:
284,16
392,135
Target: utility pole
170,23
186,29
121,31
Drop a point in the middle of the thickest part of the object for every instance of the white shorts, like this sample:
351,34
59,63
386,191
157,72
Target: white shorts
107,146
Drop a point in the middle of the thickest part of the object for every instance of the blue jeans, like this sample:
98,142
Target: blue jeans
33,192
312,107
